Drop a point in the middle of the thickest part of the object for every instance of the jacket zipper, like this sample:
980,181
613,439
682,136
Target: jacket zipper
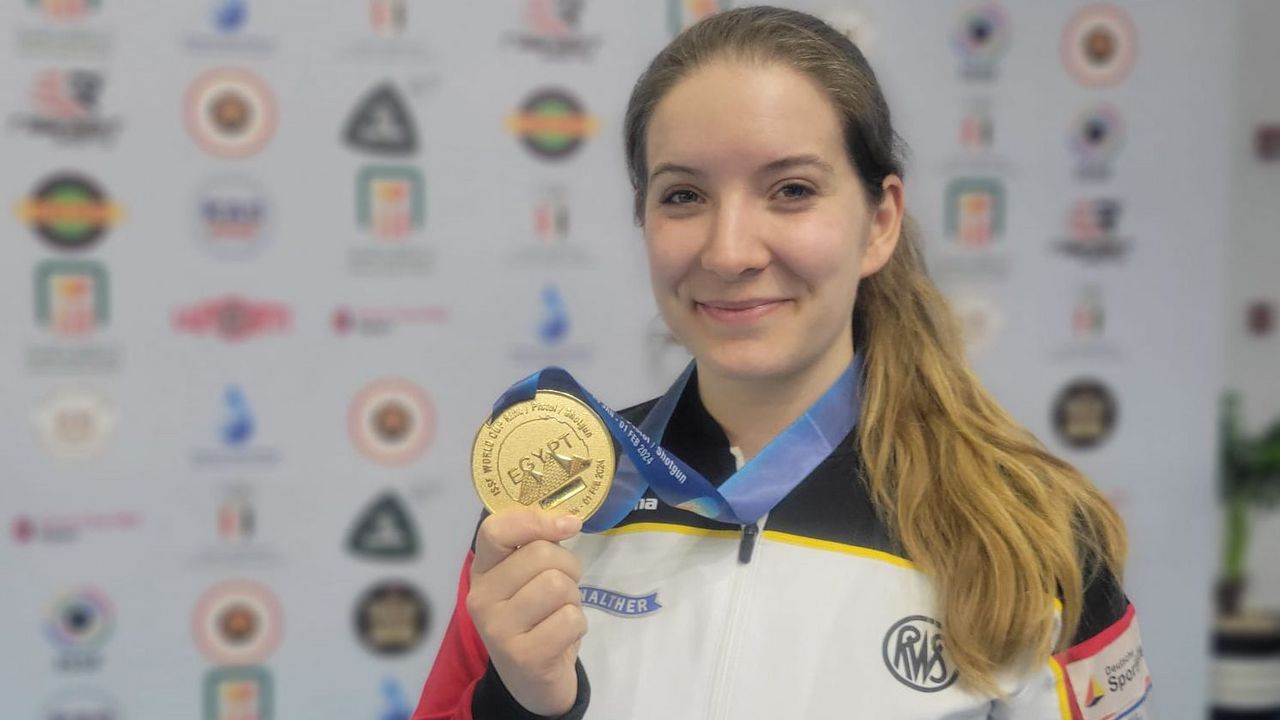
747,546
720,696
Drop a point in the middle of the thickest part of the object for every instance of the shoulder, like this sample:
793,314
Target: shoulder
1105,604
1104,669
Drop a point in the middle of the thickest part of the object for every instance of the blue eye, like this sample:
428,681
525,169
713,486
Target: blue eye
680,197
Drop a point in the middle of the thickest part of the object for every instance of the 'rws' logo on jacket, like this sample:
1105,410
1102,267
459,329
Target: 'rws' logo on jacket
620,604
913,654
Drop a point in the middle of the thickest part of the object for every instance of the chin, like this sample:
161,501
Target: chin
745,363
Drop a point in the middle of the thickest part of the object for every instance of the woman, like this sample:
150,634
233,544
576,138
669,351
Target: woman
767,183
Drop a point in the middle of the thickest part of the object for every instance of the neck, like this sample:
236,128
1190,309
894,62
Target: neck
753,411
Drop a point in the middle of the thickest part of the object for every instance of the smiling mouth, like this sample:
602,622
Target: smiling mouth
738,311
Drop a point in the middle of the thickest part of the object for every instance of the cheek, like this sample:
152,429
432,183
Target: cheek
824,253
670,256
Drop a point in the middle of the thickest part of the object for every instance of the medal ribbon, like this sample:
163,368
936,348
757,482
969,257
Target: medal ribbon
746,495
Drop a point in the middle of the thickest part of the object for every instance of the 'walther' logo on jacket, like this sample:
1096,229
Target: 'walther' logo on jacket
619,604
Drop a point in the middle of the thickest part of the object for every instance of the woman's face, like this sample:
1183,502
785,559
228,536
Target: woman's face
756,224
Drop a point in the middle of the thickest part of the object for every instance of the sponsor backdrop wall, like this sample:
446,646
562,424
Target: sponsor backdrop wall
264,265
1252,294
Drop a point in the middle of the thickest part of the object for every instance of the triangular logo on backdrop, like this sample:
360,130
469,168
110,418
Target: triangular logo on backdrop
384,531
381,123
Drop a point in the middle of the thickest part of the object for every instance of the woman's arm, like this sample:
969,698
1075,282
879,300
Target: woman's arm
1102,675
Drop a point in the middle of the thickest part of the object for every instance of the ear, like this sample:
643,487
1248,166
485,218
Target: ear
884,228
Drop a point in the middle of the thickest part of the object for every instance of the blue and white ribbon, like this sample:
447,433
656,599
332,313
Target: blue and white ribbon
747,494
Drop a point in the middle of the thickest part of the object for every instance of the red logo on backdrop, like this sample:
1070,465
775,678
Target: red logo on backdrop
1266,142
56,529
383,320
233,318
66,10
24,529
1260,318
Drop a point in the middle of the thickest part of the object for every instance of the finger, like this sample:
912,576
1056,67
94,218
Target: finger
502,533
541,598
522,566
553,637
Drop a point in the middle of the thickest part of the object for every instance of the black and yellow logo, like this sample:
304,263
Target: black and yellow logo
552,124
70,212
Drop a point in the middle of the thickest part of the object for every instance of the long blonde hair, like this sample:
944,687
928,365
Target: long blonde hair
1001,526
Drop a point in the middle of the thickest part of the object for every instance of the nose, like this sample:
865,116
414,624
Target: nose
734,247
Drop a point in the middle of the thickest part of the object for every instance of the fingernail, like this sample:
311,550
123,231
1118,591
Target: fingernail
568,524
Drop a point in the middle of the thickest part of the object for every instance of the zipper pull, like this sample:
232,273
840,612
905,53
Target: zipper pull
748,544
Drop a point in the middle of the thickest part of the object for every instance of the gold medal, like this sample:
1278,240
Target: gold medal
552,453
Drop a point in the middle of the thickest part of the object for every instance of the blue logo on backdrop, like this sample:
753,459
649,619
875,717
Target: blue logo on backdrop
622,605
394,704
238,429
230,15
555,322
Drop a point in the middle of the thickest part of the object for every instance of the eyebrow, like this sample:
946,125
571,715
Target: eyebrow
785,163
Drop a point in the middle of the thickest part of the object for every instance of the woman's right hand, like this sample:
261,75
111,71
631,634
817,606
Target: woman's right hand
525,603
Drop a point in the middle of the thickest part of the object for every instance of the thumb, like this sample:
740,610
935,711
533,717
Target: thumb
502,533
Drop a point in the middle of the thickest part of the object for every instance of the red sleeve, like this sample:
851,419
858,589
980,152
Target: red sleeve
460,663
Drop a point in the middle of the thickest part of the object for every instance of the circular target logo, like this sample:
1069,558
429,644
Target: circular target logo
552,124
238,622
75,422
392,421
1099,45
1098,134
1084,414
80,620
230,112
983,33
